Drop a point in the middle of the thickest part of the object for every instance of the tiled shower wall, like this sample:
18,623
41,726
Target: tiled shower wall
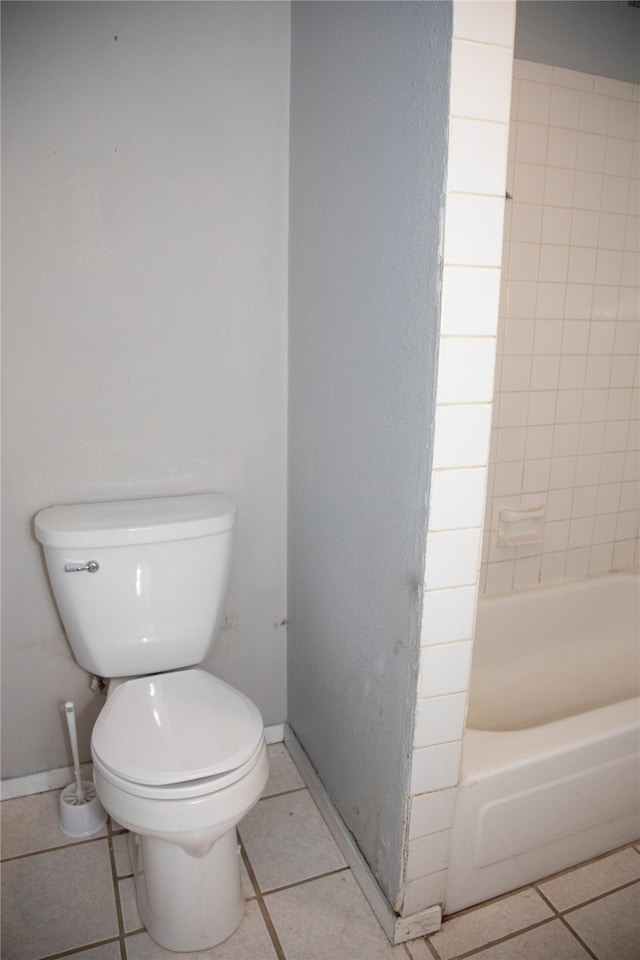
565,421
481,69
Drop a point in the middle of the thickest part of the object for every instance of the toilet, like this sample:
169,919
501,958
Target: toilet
179,756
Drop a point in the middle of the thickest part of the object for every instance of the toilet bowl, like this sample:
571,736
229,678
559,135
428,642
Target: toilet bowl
179,756
179,759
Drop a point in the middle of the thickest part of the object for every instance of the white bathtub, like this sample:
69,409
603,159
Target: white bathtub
551,758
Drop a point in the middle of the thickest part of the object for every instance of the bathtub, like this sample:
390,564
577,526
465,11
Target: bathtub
551,753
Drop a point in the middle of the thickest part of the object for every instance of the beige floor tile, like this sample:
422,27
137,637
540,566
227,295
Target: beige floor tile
247,887
329,919
56,901
418,949
284,774
287,840
251,941
481,926
31,823
551,941
121,855
129,905
592,880
611,926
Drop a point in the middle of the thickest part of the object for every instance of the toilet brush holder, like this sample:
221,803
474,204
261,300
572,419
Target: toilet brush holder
81,813
81,818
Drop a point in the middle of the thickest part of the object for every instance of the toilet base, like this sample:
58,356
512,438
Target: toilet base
187,903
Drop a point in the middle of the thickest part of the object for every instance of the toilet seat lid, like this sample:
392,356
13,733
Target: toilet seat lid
174,727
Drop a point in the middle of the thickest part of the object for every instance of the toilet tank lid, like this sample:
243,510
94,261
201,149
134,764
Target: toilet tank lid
123,522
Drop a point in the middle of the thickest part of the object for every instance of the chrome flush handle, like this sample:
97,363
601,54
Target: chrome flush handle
91,567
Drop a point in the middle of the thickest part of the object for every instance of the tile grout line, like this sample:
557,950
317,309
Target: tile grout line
434,953
564,922
116,892
282,793
76,951
557,915
577,937
268,922
307,880
591,900
467,954
61,846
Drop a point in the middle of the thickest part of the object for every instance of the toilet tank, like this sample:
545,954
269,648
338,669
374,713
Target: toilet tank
141,585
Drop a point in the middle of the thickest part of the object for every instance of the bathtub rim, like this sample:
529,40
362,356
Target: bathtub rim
487,752
575,585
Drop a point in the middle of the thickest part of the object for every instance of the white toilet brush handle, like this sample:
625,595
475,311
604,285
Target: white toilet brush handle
73,737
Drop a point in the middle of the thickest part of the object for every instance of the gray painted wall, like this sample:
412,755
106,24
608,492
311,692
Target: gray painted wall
145,183
369,112
594,36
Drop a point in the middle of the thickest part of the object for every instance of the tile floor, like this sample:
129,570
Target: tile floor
64,898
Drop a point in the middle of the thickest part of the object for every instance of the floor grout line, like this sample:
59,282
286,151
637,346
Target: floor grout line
116,894
306,880
466,954
577,937
266,916
77,950
60,846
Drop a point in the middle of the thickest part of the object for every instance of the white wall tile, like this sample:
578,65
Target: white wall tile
461,435
470,297
487,144
431,812
427,855
556,225
622,117
613,88
565,107
584,228
453,558
444,669
530,142
439,720
618,157
435,768
465,370
448,615
480,81
588,188
535,102
473,230
615,194
500,577
591,152
559,186
573,79
486,21
562,147
457,499
424,892
528,70
529,183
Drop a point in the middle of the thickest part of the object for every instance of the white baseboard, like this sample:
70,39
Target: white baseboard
41,782
274,733
61,776
398,929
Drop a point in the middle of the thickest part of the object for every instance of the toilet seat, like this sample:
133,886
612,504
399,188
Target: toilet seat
190,789
183,733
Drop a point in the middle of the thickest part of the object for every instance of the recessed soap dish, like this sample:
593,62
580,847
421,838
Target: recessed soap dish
520,525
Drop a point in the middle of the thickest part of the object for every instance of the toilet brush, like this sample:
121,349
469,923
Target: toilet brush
81,813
